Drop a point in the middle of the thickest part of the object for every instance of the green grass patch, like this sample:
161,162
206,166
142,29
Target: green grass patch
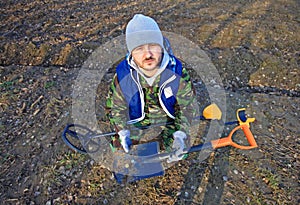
7,85
271,179
49,84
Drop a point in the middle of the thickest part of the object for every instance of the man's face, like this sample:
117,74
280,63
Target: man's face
148,57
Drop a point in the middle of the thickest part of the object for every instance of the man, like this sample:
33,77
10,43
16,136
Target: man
150,87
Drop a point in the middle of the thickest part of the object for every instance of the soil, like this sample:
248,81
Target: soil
254,46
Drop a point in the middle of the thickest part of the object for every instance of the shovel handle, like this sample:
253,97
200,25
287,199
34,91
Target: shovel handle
249,136
227,141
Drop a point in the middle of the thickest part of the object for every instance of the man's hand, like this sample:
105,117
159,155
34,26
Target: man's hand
178,146
125,139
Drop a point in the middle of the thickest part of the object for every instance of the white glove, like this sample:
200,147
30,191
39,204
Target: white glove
178,146
125,139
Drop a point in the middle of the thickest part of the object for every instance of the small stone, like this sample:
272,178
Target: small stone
105,201
186,194
61,169
70,197
92,162
57,200
37,193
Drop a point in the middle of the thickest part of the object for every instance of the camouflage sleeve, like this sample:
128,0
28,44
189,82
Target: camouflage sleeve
116,106
185,111
186,108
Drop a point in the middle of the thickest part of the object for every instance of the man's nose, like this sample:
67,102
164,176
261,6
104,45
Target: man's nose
147,51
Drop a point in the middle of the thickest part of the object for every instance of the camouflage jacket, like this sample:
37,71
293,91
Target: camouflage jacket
118,112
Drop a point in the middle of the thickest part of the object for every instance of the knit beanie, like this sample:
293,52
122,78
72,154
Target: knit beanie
142,30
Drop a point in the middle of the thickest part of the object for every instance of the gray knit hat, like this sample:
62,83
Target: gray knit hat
142,30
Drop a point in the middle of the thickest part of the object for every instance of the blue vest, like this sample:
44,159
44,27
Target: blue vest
133,92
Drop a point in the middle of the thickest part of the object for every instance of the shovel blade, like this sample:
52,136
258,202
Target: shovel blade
212,112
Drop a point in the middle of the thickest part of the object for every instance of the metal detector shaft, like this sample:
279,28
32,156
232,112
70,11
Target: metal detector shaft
243,122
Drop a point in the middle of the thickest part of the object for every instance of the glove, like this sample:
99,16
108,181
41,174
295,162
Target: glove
125,139
178,145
